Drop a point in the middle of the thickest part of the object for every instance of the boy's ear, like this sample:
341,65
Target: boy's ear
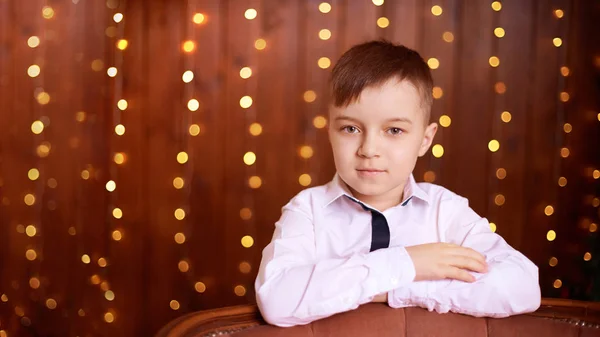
430,131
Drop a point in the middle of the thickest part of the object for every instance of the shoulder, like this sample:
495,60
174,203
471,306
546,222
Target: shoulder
308,200
438,194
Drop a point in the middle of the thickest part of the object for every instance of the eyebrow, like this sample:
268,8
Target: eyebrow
397,119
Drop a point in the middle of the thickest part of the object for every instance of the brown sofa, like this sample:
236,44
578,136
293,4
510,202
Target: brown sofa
561,318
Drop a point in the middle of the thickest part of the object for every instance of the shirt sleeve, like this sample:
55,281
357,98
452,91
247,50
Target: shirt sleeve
509,287
295,287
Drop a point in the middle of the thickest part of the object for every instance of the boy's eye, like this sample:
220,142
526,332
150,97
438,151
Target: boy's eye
395,131
350,129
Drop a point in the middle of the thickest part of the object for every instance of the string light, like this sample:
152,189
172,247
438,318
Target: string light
324,7
437,150
436,10
433,63
383,22
324,62
448,37
250,14
499,32
198,18
324,34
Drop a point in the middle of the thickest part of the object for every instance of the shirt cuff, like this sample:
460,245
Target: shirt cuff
390,268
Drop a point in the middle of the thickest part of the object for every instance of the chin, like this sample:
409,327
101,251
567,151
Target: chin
364,188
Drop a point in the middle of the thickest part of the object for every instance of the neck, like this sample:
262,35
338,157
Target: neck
383,201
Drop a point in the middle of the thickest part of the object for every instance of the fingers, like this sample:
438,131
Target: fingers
469,253
469,263
460,274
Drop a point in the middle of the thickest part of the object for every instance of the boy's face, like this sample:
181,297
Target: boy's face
376,141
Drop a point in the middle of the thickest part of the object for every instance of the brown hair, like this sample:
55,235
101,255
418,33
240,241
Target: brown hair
371,64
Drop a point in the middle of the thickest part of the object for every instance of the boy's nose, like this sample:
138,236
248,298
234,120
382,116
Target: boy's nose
368,148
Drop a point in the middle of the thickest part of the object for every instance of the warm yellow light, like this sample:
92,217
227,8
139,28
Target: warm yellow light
37,127
499,199
306,151
33,41
553,261
501,173
30,254
33,70
102,262
260,44
587,256
497,6
182,157
551,235
437,150
179,214
119,158
249,158
564,152
319,122
596,174
117,235
324,62
51,304
118,17
180,238
562,181
304,179
193,104
247,241
383,22
109,295
86,259
436,10
448,37
255,129
200,287
183,266
112,71
30,231
593,228
188,46
47,12
557,41
178,183
310,96
493,227
109,317
246,102
120,129
245,72
254,182
557,283
437,92
34,282
33,174
324,7
564,96
117,213
494,145
97,65
122,104
250,14
194,129
559,13
43,150
29,199
494,61
377,2
324,34
239,290
122,44
43,98
565,71
433,63
445,121
187,76
505,116
499,32
85,174
549,210
111,186
198,18
174,305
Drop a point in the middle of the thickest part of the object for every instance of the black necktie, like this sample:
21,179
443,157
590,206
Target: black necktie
379,227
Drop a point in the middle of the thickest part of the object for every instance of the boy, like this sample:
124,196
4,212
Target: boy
373,234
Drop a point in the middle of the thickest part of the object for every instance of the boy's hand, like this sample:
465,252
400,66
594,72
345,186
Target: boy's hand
438,261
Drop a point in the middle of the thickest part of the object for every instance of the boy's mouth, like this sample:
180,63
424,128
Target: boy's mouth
369,172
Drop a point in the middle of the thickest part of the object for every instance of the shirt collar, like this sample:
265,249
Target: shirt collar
337,188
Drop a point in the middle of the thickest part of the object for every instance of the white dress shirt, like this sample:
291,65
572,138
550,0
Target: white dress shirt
318,262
